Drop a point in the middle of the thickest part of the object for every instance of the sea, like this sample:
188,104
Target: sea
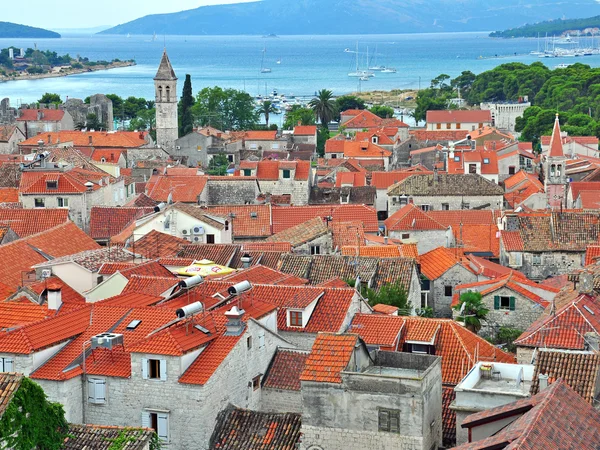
300,65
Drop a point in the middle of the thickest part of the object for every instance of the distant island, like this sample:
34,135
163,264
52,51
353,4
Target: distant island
21,64
559,27
322,17
10,30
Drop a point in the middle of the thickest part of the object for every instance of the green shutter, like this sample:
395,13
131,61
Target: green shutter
496,302
512,303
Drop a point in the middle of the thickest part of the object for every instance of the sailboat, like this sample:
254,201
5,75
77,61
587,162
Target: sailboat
264,69
375,67
154,37
279,61
359,73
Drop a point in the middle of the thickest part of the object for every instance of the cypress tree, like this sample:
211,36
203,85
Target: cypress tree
186,121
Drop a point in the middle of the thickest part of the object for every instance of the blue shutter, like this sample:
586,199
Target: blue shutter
145,419
163,369
496,302
144,368
163,426
512,303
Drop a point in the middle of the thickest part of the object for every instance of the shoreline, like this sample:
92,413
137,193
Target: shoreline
41,76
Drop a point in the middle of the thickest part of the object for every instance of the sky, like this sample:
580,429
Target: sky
64,14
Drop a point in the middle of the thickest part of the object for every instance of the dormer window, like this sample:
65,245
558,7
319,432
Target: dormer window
51,184
102,160
295,318
286,173
247,172
486,160
457,159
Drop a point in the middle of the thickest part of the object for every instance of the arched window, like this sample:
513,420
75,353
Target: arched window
552,170
160,94
168,94
558,170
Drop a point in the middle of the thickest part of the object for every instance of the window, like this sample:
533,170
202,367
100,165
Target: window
249,342
154,369
6,365
275,146
515,259
405,235
315,249
480,125
286,173
425,284
334,156
511,170
96,391
210,238
295,318
247,172
425,207
424,299
253,146
472,168
39,202
63,202
445,206
439,126
256,383
486,160
537,260
51,184
457,159
466,205
389,420
448,291
230,158
458,126
99,279
420,348
158,421
448,126
504,302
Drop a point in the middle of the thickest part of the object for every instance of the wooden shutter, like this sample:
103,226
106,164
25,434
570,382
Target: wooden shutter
394,422
496,302
145,419
163,369
144,368
8,365
512,303
384,420
163,426
100,391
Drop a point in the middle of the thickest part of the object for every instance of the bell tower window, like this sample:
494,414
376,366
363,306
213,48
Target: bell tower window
552,170
558,170
160,94
168,90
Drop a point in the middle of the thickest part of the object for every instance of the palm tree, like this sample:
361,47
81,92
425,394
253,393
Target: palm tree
323,106
472,311
267,108
413,113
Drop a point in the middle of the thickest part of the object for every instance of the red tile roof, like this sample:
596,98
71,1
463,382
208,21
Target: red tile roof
248,221
377,329
283,247
107,221
19,256
474,157
578,186
439,135
131,300
305,130
15,314
459,116
355,179
117,139
157,245
386,309
109,155
592,254
260,135
329,356
357,149
478,239
9,195
347,233
382,138
437,261
285,217
285,370
25,222
69,296
411,217
37,183
556,148
363,119
589,199
185,189
264,275
377,251
41,115
383,180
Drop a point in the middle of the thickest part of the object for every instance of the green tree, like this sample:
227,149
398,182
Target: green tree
429,100
117,102
49,98
346,102
39,58
440,82
298,114
218,165
92,122
322,136
31,421
226,109
323,106
145,120
506,337
463,82
186,119
474,311
267,108
385,112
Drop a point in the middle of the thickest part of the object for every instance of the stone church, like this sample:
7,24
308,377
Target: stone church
167,124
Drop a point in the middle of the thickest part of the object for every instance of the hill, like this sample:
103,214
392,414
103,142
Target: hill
13,30
552,27
353,17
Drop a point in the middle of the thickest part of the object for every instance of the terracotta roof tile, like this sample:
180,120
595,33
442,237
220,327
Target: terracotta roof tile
157,245
9,195
459,116
305,130
288,216
151,285
264,275
301,233
260,135
25,222
383,180
14,314
437,261
411,217
250,221
41,115
378,251
106,221
95,437
448,416
9,385
358,149
329,356
592,254
267,246
355,179
556,147
119,139
185,189
447,184
379,330
347,233
285,370
386,309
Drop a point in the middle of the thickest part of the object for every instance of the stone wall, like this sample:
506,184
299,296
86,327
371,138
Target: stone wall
280,400
69,394
401,153
324,242
299,190
320,438
524,355
454,202
526,312
440,302
100,105
232,192
144,154
552,263
426,240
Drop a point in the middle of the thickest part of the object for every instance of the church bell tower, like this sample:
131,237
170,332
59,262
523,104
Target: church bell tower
165,86
555,177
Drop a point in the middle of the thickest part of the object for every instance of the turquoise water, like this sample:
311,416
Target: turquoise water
308,63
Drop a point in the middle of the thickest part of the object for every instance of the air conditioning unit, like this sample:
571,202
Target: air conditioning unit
184,232
107,340
198,229
254,215
197,239
46,273
178,147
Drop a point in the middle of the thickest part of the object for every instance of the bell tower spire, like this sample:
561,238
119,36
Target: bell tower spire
165,87
555,178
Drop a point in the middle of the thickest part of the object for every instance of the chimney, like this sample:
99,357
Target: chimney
543,381
49,139
234,325
89,185
385,240
246,260
90,139
54,292
40,115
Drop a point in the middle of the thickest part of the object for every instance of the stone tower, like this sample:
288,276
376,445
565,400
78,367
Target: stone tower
555,178
165,86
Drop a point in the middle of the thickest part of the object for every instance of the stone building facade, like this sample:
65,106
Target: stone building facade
165,85
231,190
504,115
99,104
442,289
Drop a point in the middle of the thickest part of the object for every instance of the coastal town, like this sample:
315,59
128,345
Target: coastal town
186,278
